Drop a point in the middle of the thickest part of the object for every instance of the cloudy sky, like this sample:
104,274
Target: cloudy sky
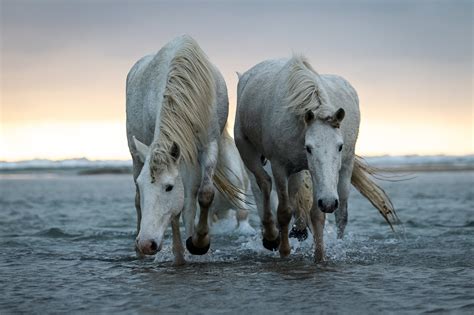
64,64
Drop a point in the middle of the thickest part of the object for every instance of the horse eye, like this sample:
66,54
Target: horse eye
308,149
340,148
169,188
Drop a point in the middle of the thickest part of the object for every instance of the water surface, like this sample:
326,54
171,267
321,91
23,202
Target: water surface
66,245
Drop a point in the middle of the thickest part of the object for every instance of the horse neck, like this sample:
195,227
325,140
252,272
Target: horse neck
159,107
157,131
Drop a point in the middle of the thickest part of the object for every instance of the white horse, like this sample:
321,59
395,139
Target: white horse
177,108
234,170
300,120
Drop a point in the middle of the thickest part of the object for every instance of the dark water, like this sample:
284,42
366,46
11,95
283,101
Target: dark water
66,245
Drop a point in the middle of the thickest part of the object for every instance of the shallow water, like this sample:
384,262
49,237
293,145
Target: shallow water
66,244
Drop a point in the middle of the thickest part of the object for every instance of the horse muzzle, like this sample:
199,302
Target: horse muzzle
148,246
328,205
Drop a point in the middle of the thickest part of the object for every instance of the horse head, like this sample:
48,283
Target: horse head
324,147
161,194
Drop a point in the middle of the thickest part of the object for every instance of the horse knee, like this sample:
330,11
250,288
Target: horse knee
265,184
206,196
283,216
317,216
341,212
341,219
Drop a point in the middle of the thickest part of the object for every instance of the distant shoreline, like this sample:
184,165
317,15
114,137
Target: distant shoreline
385,164
425,168
128,170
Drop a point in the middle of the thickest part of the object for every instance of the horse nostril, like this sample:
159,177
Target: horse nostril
320,203
153,246
336,203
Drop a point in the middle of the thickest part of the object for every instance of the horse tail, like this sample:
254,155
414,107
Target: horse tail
229,184
361,180
304,201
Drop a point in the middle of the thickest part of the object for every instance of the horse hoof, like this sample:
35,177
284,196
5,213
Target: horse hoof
179,262
300,235
271,245
196,250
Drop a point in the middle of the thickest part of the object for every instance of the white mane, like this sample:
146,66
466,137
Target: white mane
304,94
187,106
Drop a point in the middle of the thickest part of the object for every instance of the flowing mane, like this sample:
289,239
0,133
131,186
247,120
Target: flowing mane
304,94
188,101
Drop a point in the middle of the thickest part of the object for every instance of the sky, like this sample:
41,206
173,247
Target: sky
64,64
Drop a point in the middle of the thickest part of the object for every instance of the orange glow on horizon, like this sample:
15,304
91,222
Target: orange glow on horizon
67,132
63,68
99,140
96,140
60,119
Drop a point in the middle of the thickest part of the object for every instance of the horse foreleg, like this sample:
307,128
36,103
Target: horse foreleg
343,188
139,219
301,198
137,167
199,243
318,219
252,160
283,210
138,208
191,180
189,214
178,249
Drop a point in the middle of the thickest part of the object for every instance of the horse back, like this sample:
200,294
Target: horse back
255,94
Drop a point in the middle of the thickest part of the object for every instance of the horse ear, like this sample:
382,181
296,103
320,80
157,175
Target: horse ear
308,116
339,115
142,149
175,151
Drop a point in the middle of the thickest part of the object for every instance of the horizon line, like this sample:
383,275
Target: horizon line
126,160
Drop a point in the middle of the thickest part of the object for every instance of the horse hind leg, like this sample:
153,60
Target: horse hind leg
252,160
200,242
242,216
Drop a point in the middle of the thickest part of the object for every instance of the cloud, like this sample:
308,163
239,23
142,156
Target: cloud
67,61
